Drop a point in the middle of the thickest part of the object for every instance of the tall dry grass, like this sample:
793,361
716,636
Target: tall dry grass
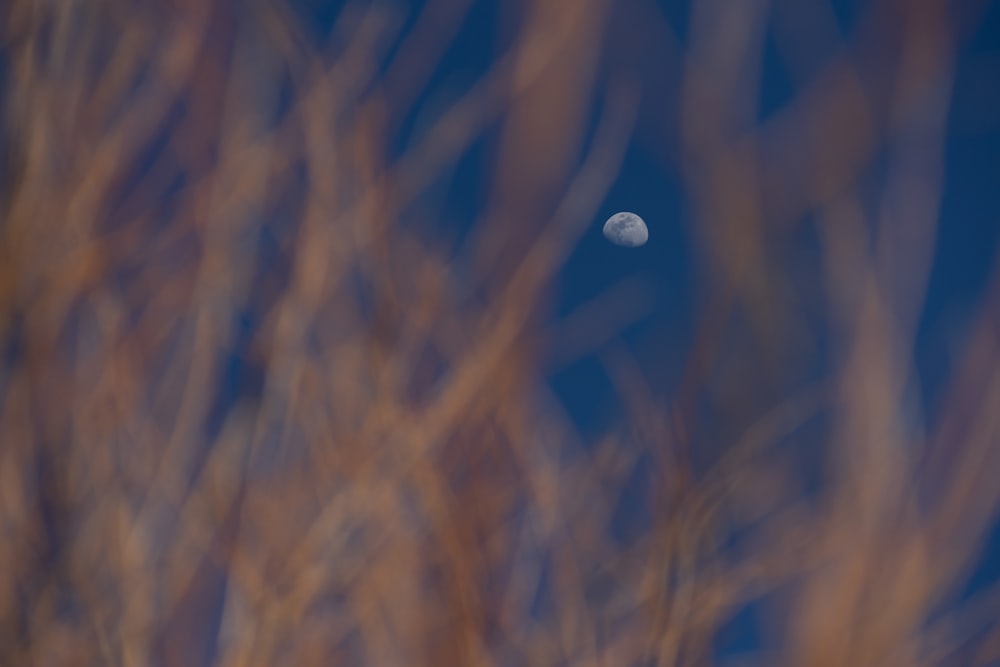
250,414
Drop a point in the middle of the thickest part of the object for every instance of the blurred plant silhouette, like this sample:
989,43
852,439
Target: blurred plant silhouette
252,414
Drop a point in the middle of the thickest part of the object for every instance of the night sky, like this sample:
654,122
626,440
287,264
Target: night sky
650,184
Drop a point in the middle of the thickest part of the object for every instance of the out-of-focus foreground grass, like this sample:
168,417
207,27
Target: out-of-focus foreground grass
250,415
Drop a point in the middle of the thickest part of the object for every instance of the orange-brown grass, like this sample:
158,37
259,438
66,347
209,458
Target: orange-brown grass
401,484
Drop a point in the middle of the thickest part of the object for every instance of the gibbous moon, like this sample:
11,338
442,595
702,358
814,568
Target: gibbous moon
626,229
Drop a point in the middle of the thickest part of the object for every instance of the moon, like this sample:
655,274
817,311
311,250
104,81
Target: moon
626,229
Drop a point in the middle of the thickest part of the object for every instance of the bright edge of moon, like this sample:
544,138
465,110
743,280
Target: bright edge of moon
626,229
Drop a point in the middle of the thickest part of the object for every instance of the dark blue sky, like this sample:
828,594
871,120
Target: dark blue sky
639,42
645,39
650,184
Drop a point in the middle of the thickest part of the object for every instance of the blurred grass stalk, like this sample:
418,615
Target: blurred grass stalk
249,417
